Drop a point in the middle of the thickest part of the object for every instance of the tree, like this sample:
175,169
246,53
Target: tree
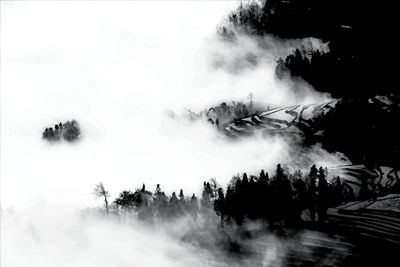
142,200
181,196
281,193
173,205
182,203
264,178
207,196
214,186
194,205
160,202
279,175
322,195
126,200
229,206
312,191
101,192
337,195
158,189
219,204
71,131
313,172
245,179
300,196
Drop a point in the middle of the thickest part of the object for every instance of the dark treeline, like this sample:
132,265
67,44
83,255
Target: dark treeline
365,130
284,203
359,61
150,205
280,197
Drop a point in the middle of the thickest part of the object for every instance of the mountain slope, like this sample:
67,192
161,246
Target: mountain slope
364,129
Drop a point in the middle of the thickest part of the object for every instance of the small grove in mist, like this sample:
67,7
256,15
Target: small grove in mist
359,61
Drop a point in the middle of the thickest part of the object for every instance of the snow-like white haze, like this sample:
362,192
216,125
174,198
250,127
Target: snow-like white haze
119,69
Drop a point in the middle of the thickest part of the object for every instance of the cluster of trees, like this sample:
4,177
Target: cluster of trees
225,113
284,196
302,63
331,72
359,61
69,131
362,129
357,67
149,205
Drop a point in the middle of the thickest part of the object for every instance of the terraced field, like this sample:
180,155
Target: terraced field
374,223
378,180
363,233
294,119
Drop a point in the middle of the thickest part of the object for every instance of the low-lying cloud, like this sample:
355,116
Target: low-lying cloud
72,240
91,239
118,73
118,69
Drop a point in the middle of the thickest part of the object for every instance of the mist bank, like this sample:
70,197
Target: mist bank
72,239
119,74
65,238
246,226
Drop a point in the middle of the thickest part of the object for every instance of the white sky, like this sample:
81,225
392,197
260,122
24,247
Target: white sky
117,68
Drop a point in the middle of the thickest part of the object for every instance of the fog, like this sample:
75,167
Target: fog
119,69
40,239
70,240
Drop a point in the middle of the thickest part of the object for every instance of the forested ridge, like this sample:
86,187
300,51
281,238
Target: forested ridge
361,60
283,196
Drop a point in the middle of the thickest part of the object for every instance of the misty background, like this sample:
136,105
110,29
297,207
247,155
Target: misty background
120,69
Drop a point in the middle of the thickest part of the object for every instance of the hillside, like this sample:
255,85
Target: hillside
378,219
364,129
367,181
360,61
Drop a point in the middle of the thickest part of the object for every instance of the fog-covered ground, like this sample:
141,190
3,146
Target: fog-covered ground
120,69
38,238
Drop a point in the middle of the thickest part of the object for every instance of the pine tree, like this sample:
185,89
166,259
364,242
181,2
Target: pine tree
323,192
194,205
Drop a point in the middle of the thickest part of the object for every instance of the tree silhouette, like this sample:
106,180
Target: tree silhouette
219,204
125,201
323,195
207,198
173,206
350,32
299,196
194,206
101,192
160,203
312,192
282,198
